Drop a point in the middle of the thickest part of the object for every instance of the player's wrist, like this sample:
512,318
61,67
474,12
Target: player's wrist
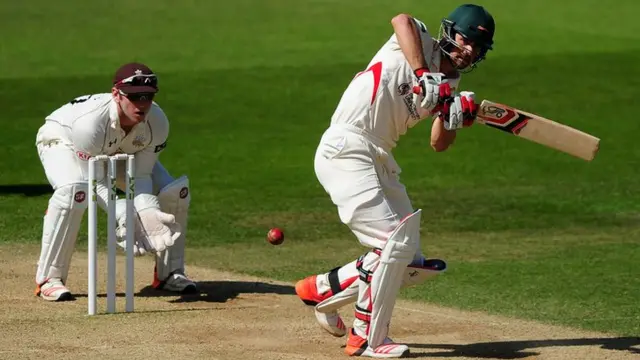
420,71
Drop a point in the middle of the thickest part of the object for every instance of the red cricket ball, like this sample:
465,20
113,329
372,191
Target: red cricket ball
275,236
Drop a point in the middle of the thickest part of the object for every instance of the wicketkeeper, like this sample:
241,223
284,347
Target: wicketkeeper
412,77
125,121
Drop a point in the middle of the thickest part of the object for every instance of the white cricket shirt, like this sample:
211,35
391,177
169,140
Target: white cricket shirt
91,126
379,101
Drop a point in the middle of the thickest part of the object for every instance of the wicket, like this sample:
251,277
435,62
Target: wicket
111,231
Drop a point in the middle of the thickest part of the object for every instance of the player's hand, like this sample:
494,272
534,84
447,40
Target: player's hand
462,111
434,89
155,231
158,228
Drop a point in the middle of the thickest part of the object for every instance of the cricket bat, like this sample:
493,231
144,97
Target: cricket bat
538,129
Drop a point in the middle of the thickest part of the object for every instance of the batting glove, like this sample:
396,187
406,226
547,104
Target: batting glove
462,111
434,89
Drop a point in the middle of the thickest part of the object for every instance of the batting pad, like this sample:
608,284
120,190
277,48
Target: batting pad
60,231
396,255
414,274
174,199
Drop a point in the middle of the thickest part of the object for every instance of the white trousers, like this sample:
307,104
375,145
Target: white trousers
363,181
62,167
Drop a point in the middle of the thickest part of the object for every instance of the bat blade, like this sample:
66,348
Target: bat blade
538,129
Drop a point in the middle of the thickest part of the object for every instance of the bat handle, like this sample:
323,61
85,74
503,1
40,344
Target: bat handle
417,89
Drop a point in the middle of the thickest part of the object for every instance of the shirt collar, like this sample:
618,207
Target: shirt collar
114,118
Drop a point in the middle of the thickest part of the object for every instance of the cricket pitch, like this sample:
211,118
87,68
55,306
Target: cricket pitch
242,317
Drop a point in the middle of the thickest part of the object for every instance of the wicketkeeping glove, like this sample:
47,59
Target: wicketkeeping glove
155,230
462,111
434,89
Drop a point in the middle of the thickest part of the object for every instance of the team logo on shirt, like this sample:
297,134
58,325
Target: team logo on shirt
404,89
138,141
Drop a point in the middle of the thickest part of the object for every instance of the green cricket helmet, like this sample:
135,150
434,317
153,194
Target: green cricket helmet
473,22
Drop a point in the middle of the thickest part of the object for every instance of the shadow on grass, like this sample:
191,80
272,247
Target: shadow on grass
516,349
220,291
26,189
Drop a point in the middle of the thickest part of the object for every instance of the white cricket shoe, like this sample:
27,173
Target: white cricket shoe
333,324
53,290
358,346
176,282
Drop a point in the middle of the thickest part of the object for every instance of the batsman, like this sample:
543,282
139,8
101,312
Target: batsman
412,77
124,121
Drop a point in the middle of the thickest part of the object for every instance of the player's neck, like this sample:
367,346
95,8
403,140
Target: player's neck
447,68
126,128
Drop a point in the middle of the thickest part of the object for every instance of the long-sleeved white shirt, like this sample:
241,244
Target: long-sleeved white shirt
91,126
380,100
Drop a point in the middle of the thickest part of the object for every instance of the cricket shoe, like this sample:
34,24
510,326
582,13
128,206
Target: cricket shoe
358,346
307,291
332,323
53,290
176,282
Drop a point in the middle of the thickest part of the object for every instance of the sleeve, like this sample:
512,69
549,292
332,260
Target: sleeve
88,135
425,39
147,158
425,36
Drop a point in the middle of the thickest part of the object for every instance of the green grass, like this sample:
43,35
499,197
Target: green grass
249,87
